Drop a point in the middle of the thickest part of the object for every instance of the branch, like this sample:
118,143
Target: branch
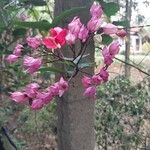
143,26
146,73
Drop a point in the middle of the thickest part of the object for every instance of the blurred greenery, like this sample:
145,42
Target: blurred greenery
121,110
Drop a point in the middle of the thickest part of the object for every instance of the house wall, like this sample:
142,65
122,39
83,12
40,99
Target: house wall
136,44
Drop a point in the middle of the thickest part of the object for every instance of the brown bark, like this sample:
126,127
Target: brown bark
75,112
128,42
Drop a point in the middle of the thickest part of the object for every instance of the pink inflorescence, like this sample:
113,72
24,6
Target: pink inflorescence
90,83
12,58
58,37
37,98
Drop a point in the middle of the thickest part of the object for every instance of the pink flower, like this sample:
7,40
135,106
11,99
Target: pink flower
86,81
46,97
34,42
24,17
56,38
90,92
96,80
74,26
31,90
63,86
94,24
18,49
19,97
70,38
11,58
108,60
110,29
54,89
121,33
104,74
107,56
83,33
114,48
96,10
32,64
105,51
37,104
58,88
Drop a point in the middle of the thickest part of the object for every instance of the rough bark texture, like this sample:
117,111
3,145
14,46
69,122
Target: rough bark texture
75,112
128,42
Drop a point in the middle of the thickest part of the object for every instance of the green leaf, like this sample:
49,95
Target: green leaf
100,1
35,2
45,25
4,52
41,25
106,39
51,69
67,13
110,9
35,13
19,32
123,23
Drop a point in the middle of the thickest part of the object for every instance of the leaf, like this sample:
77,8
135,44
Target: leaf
2,52
106,39
50,69
41,25
67,13
35,2
35,13
100,1
19,32
45,25
123,23
110,9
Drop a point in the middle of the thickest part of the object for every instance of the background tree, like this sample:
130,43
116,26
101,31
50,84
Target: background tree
128,41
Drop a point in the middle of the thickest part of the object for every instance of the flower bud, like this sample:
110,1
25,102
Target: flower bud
96,10
94,24
110,29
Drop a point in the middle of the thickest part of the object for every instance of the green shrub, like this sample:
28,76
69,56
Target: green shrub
121,110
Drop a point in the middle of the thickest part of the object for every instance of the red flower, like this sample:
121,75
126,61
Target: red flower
56,38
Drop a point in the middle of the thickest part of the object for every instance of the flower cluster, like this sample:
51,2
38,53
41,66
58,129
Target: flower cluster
76,30
36,98
110,52
90,83
31,64
12,58
58,37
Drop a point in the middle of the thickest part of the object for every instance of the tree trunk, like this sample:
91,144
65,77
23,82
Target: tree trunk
75,112
128,42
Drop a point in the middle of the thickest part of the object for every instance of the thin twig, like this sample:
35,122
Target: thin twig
146,73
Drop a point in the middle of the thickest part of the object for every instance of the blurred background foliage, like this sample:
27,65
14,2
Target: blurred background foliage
122,115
